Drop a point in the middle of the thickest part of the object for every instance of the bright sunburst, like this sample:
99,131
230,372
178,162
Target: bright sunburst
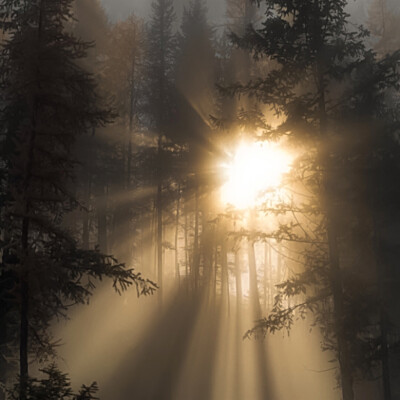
254,169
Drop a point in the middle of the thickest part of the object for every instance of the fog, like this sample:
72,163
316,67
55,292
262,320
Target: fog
200,200
118,9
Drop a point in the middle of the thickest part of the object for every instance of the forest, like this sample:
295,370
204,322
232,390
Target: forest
194,210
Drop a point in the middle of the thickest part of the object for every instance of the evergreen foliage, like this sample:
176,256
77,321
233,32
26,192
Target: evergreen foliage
316,59
48,102
54,386
160,63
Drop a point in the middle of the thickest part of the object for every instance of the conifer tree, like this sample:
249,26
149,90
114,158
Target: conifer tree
48,101
161,45
312,50
195,76
383,23
124,79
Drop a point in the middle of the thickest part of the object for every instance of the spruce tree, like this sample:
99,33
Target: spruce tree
195,76
48,101
125,80
161,45
383,23
313,51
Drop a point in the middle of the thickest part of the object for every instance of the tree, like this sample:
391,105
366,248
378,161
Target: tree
124,79
195,76
49,100
160,67
312,51
160,63
54,385
90,24
383,22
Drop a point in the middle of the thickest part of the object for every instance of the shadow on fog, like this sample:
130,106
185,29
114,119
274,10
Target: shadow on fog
175,355
191,350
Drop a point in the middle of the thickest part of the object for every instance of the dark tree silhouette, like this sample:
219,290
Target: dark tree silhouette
49,100
312,50
160,66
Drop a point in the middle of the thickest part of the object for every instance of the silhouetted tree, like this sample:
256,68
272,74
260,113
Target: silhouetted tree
48,102
312,50
383,22
161,44
54,385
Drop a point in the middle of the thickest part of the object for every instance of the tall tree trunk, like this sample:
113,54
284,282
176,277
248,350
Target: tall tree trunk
129,160
24,279
24,325
239,329
238,279
186,245
215,277
196,250
254,295
131,120
101,205
334,260
387,392
224,269
337,292
159,210
267,266
262,367
383,317
85,213
178,204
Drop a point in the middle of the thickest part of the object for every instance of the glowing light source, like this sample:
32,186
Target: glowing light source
255,168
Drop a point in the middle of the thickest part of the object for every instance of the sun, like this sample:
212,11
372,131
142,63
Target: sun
254,169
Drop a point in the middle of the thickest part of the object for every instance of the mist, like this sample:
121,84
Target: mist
117,9
200,200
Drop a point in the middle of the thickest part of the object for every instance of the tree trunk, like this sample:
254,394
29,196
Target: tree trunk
238,279
24,278
239,329
178,203
196,250
224,269
186,245
262,368
24,325
131,119
101,205
387,393
267,266
85,214
337,292
383,317
254,295
159,211
332,235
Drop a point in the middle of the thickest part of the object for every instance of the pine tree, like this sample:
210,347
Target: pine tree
54,385
124,77
160,63
49,100
312,50
383,22
195,75
161,44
